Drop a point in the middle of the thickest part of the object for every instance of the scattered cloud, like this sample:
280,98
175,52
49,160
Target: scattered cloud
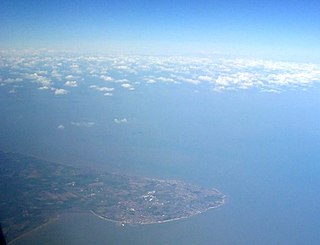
60,127
102,89
44,88
106,78
71,84
120,121
74,66
69,77
60,91
205,78
127,86
83,124
49,72
13,80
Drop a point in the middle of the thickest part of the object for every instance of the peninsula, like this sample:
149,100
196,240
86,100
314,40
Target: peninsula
34,191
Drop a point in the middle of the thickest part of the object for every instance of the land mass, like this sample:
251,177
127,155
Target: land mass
34,191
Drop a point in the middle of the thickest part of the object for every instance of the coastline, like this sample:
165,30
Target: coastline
160,221
50,221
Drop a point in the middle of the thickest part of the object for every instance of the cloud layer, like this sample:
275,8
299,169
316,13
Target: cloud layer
112,74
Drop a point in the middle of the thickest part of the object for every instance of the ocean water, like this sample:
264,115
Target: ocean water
260,149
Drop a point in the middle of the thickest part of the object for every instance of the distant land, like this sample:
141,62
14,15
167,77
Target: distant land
35,191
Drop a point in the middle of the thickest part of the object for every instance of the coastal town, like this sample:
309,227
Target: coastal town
34,191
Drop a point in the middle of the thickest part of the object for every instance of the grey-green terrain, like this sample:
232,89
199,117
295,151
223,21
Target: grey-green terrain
34,191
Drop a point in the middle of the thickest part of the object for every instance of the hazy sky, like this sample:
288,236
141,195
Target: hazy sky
273,28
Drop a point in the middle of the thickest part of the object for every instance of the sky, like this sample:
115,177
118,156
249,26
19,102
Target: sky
269,29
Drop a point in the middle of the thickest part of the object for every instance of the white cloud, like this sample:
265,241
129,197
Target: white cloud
270,91
60,91
150,80
60,127
120,121
48,71
83,124
13,80
165,79
43,88
71,84
205,78
106,78
127,86
105,89
101,89
122,81
75,66
70,77
43,81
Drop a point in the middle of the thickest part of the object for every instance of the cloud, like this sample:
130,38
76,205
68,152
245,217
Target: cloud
122,80
13,80
127,86
44,88
71,84
270,91
165,79
101,89
150,80
69,77
120,121
106,78
83,124
105,89
205,78
60,127
49,70
74,66
43,81
60,91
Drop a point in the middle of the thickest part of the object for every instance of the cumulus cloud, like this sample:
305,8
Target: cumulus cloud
44,88
60,127
127,86
43,81
149,80
83,124
70,77
101,89
105,89
48,71
106,78
71,84
205,78
74,66
165,79
120,121
60,91
270,91
13,80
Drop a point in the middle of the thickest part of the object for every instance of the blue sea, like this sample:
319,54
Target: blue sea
260,149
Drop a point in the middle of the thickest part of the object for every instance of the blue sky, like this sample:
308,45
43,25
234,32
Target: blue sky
284,29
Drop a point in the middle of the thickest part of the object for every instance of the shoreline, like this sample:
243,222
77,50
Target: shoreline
50,221
157,222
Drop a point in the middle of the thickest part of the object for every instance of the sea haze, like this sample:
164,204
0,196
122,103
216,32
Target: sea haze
250,128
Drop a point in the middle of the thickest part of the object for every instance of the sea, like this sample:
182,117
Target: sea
260,149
